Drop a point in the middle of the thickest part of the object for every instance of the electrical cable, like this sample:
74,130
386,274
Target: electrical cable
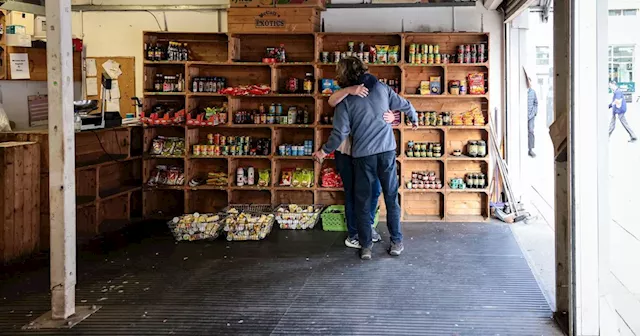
102,146
155,17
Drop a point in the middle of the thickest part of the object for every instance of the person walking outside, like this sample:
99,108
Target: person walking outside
532,112
618,108
373,148
345,167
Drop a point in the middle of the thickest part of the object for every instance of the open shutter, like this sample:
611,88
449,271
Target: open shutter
513,8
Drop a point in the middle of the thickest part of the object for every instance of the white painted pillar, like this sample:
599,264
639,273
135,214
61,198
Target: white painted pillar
62,187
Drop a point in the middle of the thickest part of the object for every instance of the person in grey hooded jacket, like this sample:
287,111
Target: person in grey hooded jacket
373,147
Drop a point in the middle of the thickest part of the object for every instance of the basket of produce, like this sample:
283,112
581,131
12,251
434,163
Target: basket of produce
333,218
297,217
248,226
253,208
196,226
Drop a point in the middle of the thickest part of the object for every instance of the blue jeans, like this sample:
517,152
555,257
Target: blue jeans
344,165
379,167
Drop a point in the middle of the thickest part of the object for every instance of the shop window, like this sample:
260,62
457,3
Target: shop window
542,55
621,59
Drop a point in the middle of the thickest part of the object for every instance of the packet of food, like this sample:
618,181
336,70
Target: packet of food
393,54
382,53
264,177
156,146
178,146
169,145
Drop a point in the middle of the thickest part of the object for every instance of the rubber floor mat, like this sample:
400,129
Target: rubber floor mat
453,279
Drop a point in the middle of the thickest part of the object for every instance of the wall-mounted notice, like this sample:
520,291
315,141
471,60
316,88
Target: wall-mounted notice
19,66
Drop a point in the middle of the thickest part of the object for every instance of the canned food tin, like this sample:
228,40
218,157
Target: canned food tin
425,58
279,109
467,57
210,139
430,49
271,119
282,150
461,49
196,150
430,59
211,150
245,149
425,49
263,118
438,59
460,57
365,57
224,150
232,150
223,140
418,59
216,150
412,48
412,58
216,139
336,56
436,49
287,150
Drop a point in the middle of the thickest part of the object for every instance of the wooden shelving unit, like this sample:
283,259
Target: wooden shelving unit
238,58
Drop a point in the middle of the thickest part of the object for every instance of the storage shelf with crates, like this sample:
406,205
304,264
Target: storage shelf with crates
238,57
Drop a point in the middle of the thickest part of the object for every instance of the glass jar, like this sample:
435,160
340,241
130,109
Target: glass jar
481,181
469,180
482,148
476,181
308,83
472,148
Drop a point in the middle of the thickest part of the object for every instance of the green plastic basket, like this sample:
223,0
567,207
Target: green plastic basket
333,218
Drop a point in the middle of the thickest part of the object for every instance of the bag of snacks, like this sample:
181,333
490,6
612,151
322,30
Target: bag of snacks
156,146
264,177
178,148
286,177
393,54
382,53
476,83
169,145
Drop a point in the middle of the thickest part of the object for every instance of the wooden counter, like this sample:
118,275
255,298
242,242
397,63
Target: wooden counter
108,178
19,199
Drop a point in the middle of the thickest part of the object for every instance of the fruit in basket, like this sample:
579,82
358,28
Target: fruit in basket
196,226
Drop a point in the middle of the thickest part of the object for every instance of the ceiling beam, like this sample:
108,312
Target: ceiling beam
492,4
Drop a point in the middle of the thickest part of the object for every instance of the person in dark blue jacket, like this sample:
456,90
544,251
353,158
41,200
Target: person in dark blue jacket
373,148
618,108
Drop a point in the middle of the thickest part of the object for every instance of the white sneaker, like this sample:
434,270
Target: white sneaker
352,242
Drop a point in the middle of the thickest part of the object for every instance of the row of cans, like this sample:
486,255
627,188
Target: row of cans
222,150
415,48
296,150
221,140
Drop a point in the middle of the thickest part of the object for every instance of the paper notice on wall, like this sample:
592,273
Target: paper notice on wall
92,71
19,66
92,86
113,105
114,93
112,69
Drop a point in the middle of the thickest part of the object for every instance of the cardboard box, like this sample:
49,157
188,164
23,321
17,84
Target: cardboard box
19,40
22,19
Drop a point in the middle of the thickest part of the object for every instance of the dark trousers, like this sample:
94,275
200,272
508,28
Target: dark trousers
623,121
532,137
345,167
380,167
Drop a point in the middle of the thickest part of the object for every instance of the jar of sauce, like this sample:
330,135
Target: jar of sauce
308,83
482,148
472,148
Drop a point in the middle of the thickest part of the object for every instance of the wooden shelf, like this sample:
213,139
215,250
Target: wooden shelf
149,157
238,56
467,158
164,62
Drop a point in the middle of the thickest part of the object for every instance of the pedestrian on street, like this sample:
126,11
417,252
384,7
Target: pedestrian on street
618,108
532,112
373,148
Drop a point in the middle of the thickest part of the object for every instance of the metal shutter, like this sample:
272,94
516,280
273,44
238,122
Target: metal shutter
513,8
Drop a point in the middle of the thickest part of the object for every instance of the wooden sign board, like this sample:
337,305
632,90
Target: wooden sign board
273,20
320,4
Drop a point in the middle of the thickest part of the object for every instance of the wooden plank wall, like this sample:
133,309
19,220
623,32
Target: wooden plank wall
19,199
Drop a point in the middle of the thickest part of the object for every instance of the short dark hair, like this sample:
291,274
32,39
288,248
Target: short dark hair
349,70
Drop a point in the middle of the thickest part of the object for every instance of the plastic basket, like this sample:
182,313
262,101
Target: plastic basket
196,227
298,220
248,226
333,218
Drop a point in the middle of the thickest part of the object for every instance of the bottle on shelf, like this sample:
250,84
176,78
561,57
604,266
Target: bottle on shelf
151,53
185,52
283,54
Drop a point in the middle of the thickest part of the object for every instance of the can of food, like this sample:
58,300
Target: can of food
210,139
467,57
438,59
196,150
216,139
365,57
412,58
474,58
436,49
481,48
287,150
224,150
325,57
282,150
418,59
279,109
412,48
467,48
425,58
430,59
481,58
223,140
460,57
425,49
216,150
461,49
263,118
232,150
430,49
271,120
336,56
211,150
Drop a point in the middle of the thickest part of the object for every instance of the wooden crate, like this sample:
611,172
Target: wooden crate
320,4
273,20
19,199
